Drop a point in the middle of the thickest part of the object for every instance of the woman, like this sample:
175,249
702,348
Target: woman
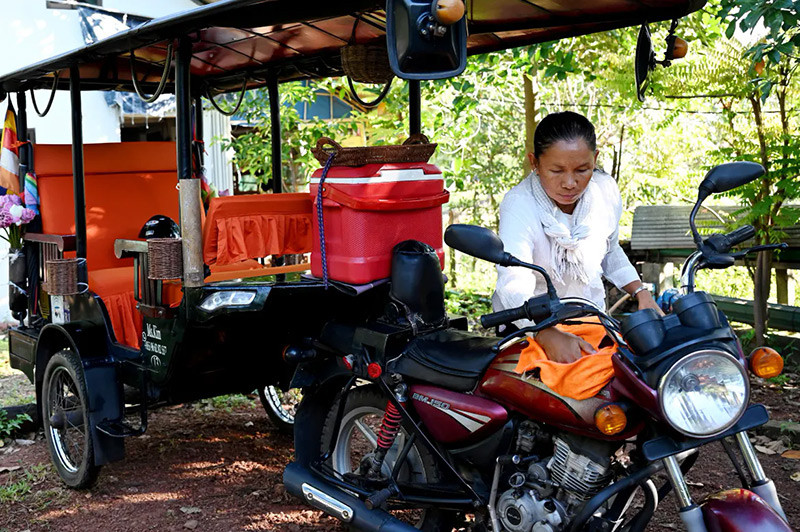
565,217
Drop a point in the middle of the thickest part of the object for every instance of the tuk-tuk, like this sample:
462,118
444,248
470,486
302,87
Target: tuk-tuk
137,294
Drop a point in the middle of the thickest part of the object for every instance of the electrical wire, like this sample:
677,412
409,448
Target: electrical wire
50,101
238,103
161,84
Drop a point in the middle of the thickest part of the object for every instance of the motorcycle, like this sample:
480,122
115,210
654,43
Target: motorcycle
403,428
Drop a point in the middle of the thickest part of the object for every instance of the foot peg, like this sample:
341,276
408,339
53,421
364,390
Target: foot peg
377,499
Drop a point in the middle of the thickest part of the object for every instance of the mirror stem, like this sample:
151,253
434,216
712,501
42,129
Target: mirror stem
702,194
514,261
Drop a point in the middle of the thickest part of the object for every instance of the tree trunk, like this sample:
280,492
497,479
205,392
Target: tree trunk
762,284
530,119
763,275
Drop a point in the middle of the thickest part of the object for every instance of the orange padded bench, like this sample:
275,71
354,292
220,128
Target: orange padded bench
126,183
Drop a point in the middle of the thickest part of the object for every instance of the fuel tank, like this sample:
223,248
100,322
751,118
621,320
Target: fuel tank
529,396
453,417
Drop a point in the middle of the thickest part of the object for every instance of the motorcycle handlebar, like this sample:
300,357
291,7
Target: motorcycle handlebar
742,234
504,316
722,243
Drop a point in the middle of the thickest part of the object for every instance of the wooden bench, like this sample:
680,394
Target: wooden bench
661,237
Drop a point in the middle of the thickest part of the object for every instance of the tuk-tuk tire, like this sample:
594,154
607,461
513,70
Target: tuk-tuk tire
85,472
270,400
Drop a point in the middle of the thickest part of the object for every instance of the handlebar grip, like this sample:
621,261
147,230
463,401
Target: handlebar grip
741,234
504,316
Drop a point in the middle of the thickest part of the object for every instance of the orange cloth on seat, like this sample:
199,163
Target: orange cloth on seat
238,228
115,288
580,379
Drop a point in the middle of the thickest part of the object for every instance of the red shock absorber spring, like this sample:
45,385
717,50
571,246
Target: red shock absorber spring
390,426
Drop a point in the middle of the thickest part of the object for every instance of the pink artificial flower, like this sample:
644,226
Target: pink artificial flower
14,199
5,218
27,216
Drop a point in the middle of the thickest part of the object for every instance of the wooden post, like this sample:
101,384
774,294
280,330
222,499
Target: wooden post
785,286
530,120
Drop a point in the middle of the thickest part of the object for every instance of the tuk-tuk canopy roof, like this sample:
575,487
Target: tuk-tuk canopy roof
293,39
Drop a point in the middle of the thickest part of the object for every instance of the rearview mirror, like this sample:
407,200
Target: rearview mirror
728,176
426,39
478,242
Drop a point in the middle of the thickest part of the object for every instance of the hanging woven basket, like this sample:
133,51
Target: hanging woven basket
62,277
165,258
416,149
367,63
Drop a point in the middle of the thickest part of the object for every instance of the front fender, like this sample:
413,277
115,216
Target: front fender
740,510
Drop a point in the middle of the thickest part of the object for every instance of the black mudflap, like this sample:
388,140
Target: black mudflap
104,391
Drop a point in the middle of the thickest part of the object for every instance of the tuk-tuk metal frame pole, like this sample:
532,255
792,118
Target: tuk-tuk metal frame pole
414,107
275,129
191,208
198,126
22,136
78,185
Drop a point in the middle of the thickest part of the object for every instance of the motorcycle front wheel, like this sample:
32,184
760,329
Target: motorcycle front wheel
356,440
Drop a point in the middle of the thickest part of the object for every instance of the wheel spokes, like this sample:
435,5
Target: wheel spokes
367,432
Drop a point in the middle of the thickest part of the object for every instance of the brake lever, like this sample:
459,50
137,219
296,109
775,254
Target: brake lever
755,249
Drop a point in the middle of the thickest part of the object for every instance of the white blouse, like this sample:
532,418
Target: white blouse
524,237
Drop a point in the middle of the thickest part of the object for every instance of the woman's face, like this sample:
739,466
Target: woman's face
565,169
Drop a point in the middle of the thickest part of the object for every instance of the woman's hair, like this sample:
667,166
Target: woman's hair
565,125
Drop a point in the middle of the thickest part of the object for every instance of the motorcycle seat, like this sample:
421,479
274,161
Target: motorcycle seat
448,358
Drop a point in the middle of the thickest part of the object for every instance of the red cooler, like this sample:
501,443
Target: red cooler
368,209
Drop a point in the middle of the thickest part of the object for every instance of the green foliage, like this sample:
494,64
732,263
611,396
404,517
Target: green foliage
19,485
9,426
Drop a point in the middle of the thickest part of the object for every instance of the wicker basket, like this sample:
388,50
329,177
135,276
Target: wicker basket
165,258
367,63
416,149
62,277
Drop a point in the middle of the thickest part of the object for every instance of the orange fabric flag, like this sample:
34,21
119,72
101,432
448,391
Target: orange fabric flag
9,153
580,379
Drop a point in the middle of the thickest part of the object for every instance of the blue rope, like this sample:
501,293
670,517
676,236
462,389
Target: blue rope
321,221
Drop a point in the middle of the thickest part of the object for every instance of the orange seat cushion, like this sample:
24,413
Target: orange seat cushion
238,228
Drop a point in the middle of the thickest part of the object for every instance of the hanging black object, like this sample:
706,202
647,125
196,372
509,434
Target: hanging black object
426,40
645,61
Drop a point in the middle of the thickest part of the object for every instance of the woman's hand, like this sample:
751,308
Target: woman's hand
645,300
562,346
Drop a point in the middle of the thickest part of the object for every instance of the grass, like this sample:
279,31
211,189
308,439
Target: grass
15,388
5,365
227,403
20,484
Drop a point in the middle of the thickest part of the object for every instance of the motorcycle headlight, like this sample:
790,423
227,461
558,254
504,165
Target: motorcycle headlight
704,394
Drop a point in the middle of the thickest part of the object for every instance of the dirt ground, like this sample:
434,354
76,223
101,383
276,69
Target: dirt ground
217,466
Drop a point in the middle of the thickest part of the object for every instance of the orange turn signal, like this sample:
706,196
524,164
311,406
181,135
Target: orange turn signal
610,419
449,11
766,362
679,48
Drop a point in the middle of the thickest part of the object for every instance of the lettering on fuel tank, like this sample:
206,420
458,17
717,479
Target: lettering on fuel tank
152,333
432,402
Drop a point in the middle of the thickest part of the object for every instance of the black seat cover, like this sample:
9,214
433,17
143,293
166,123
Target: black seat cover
449,358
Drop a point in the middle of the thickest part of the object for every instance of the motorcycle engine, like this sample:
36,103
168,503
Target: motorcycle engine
543,498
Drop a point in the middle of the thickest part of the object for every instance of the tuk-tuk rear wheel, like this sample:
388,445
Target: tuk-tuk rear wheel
65,417
280,406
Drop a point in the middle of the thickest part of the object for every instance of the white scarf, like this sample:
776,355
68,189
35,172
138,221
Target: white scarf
565,245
